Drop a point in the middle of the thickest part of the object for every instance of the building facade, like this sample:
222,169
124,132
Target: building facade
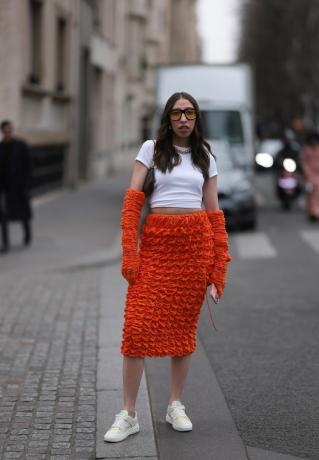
181,42
38,52
77,78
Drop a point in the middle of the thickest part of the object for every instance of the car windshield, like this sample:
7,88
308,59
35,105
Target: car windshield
223,125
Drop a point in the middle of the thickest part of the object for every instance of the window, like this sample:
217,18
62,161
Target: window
36,41
223,125
61,55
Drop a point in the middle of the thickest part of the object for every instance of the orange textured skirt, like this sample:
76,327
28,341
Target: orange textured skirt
163,306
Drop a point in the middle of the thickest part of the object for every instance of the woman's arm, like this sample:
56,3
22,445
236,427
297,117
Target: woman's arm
130,219
210,199
210,196
217,272
138,175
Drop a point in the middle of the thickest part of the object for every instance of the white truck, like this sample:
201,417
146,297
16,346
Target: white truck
225,97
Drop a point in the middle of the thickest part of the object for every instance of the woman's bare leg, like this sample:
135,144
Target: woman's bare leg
132,374
179,371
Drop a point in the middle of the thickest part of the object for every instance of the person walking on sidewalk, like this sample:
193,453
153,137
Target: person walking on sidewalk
15,172
310,166
183,250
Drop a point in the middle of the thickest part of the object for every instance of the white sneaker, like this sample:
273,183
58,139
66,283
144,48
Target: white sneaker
177,417
123,426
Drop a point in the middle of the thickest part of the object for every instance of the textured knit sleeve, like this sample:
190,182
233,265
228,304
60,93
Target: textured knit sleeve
217,272
145,154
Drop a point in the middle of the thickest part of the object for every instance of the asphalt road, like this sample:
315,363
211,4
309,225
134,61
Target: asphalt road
265,354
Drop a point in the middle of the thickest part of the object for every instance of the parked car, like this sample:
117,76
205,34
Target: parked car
236,192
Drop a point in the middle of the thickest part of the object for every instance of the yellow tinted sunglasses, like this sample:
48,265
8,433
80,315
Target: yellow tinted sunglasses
176,114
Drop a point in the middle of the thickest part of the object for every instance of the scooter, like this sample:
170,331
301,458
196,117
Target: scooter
288,183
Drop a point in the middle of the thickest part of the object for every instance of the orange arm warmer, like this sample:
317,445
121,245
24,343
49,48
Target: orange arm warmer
218,270
130,219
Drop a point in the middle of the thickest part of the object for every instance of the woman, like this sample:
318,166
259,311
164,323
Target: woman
310,166
183,250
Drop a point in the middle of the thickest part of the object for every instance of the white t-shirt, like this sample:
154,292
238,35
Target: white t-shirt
180,188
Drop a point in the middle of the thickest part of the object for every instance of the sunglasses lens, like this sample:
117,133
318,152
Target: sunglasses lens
175,114
190,114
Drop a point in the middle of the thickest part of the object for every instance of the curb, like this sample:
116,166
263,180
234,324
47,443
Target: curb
98,259
109,378
47,198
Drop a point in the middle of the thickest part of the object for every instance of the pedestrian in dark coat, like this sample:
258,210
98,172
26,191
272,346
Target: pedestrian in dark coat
15,173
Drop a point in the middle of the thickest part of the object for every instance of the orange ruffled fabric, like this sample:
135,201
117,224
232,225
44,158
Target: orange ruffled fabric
218,270
130,219
163,306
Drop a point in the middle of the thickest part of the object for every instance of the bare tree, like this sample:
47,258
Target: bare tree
280,39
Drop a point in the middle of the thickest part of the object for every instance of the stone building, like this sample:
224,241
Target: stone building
181,42
38,81
147,33
77,78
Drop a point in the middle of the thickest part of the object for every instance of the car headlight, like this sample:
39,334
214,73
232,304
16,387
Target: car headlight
264,160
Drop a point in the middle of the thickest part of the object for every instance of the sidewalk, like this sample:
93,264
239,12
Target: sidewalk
61,312
50,311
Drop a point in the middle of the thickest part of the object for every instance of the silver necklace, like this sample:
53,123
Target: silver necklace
183,149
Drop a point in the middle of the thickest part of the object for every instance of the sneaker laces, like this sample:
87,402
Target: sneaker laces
119,419
179,410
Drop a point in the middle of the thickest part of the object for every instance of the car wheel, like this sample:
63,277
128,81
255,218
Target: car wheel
250,225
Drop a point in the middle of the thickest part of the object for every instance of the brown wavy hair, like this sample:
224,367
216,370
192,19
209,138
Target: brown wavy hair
165,155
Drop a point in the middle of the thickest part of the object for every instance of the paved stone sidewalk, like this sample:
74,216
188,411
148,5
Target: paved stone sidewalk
49,312
74,226
48,343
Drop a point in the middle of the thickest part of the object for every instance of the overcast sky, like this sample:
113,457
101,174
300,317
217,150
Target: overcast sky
219,28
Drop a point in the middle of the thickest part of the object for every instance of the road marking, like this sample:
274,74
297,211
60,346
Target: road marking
254,245
311,237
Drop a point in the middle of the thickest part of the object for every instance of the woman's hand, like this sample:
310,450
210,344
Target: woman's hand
213,293
130,267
